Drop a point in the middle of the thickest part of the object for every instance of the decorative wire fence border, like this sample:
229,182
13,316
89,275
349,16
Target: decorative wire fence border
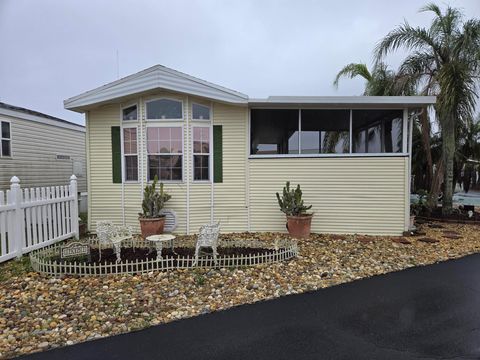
41,260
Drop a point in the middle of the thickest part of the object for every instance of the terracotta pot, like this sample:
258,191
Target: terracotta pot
151,226
299,226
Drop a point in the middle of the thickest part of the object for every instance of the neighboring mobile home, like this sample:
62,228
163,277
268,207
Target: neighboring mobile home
41,150
222,156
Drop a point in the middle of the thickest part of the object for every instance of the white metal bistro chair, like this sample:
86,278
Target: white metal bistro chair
108,233
207,237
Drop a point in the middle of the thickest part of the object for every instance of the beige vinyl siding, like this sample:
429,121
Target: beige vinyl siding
104,196
35,147
348,194
364,195
230,195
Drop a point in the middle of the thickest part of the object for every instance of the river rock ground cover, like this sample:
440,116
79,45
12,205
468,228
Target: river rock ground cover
38,313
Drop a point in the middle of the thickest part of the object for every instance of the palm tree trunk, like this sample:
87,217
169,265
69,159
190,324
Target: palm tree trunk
425,128
436,185
448,150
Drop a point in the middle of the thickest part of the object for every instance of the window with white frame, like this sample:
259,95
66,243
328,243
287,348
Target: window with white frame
200,112
201,153
5,139
165,153
164,109
130,154
130,113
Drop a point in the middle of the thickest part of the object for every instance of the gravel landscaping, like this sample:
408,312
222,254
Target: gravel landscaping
38,313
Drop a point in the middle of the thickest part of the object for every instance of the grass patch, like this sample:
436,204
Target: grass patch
15,267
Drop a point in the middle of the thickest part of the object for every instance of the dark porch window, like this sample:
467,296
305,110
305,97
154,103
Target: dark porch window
274,131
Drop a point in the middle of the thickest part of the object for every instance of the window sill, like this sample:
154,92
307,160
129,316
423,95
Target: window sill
275,156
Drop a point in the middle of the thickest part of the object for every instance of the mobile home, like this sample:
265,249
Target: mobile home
223,156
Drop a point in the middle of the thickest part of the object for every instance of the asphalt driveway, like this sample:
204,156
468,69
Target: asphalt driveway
431,312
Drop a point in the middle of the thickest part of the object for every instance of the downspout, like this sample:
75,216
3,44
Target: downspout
410,147
123,168
247,170
187,161
212,186
142,149
89,189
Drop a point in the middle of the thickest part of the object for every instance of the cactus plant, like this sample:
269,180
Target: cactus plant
153,201
291,202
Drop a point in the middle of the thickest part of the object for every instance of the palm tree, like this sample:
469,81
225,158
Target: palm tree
468,154
445,59
382,81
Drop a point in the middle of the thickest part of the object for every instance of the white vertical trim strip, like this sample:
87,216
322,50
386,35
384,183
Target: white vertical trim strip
404,130
299,131
351,131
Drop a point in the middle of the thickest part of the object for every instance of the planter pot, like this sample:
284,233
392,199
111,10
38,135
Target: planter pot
151,226
299,226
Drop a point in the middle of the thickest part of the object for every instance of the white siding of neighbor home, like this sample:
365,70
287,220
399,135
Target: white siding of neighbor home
364,195
35,147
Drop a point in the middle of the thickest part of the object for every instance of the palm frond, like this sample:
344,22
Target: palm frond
353,70
407,37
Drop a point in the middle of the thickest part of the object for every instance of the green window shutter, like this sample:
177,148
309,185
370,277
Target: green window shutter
217,154
116,155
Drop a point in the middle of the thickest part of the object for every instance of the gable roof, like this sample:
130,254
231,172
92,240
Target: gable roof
28,114
155,77
162,77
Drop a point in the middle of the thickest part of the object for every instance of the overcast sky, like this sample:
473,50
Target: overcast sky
55,49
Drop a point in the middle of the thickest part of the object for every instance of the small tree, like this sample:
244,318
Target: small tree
291,202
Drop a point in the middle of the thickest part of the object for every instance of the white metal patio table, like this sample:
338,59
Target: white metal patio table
159,240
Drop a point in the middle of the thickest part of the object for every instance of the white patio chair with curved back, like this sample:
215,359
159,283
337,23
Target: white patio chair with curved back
108,233
207,237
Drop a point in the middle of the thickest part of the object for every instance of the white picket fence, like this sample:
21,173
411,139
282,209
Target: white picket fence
32,218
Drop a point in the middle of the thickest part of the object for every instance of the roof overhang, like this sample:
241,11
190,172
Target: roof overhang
53,122
157,77
344,101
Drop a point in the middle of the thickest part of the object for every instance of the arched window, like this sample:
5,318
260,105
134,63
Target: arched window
164,109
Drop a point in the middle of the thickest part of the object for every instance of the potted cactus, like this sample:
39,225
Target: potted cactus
152,221
298,220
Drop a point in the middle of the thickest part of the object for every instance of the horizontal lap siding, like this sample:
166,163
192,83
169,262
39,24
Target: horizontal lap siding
105,196
349,195
230,195
35,147
200,206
